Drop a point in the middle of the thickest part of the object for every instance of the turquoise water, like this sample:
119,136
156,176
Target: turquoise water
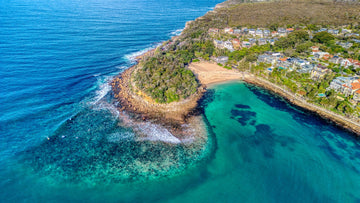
270,151
61,139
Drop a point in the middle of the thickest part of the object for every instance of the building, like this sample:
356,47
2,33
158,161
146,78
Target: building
336,60
259,33
289,30
229,30
356,96
252,32
320,54
221,59
252,41
237,32
213,31
265,58
305,69
236,44
262,41
345,45
339,83
319,71
228,45
274,33
246,44
281,32
315,49
219,44
350,62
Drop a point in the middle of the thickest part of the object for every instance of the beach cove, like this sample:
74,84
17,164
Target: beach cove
231,142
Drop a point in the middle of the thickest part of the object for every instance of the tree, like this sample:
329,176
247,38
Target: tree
322,37
251,58
300,35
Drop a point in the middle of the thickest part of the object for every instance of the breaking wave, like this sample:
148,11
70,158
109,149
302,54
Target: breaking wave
132,56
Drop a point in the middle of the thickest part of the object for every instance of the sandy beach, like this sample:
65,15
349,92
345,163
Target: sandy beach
209,73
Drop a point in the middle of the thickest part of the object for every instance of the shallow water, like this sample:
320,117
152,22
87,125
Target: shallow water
270,151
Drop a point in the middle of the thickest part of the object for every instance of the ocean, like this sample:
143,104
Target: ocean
61,139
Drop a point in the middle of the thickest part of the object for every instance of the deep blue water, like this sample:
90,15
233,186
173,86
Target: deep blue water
60,138
56,56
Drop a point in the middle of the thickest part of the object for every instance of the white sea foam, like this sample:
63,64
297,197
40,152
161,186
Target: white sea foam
157,133
104,88
132,56
176,32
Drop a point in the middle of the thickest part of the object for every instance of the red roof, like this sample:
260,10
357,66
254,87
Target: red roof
345,85
355,85
353,60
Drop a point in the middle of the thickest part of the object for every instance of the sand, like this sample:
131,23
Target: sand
209,73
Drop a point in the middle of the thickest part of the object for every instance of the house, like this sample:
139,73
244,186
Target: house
314,49
229,30
352,35
262,41
266,33
245,31
237,32
221,59
228,45
274,33
347,86
336,60
345,45
259,33
338,83
319,71
236,44
246,44
350,62
289,30
305,69
350,88
333,31
252,32
252,41
344,31
320,54
283,63
213,31
277,54
327,57
264,58
219,44
281,32
300,62
356,96
270,41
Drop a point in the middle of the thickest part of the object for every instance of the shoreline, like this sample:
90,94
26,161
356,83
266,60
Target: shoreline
175,114
339,120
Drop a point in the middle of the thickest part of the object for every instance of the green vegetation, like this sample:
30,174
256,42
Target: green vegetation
323,37
165,76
